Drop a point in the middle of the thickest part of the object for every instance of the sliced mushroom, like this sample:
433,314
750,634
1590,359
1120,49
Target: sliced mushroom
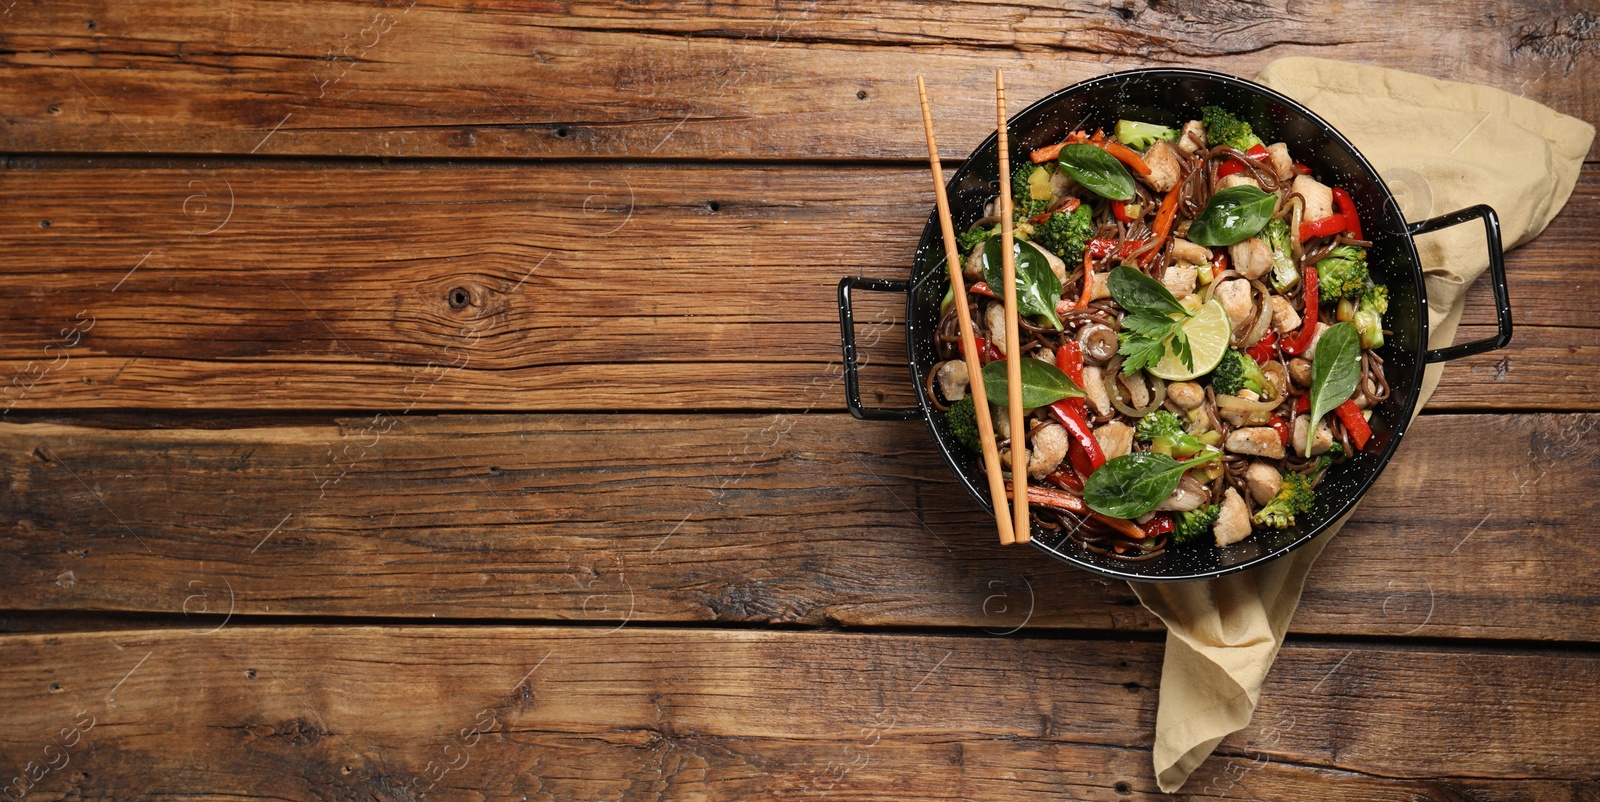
1300,371
1233,522
1098,342
1186,394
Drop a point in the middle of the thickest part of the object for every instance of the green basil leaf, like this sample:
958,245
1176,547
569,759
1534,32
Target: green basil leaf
1141,294
1042,384
1232,215
1038,289
1098,171
1134,484
1335,369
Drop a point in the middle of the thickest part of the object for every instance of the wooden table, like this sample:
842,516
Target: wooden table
409,401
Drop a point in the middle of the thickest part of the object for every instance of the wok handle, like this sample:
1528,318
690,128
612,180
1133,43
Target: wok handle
847,334
1497,276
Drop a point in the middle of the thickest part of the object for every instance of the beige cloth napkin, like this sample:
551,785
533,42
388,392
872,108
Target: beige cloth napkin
1441,146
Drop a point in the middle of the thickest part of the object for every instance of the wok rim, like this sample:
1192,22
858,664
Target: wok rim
931,235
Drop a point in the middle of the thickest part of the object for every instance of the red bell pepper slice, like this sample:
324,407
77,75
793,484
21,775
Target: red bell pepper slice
1281,426
1298,344
1302,404
1073,420
1326,227
1353,423
1120,209
1159,525
1347,207
1263,350
982,288
987,352
1065,478
1069,360
1301,169
1232,166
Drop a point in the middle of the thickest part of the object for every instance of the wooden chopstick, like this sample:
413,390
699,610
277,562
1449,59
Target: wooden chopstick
969,345
1019,452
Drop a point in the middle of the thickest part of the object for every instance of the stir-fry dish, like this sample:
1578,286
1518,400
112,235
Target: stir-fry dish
1198,331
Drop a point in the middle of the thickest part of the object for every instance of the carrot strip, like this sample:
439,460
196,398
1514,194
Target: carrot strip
1088,282
1050,152
1061,500
1163,224
1127,156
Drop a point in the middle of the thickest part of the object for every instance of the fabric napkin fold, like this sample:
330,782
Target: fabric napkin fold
1440,146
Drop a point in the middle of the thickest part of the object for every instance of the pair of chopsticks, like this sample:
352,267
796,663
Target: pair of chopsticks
1012,530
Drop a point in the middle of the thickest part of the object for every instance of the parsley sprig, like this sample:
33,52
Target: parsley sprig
1154,317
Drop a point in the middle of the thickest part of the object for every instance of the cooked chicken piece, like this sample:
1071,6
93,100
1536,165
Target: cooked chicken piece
1300,371
1319,198
1165,167
1282,164
1235,296
1187,252
1180,280
1239,417
994,319
1311,351
1233,522
1319,444
1252,258
1115,438
1263,481
1061,184
1094,387
1102,287
1190,495
1186,394
1135,391
1002,422
1057,266
1284,318
1193,137
1257,441
1238,180
1049,448
953,380
973,267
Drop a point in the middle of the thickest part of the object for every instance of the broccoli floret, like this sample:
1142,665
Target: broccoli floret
1237,371
1067,234
1222,128
1163,430
1140,135
1187,526
1284,273
967,240
1335,451
963,420
1369,315
1025,200
1294,497
1343,273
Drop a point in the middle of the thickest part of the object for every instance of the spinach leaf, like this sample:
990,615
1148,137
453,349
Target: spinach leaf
1335,370
1098,171
1042,383
1232,215
1139,293
1038,289
1134,484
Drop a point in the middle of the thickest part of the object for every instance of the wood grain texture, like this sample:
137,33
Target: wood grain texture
791,519
364,712
658,80
555,287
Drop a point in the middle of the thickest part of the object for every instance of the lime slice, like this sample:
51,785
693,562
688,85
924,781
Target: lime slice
1208,332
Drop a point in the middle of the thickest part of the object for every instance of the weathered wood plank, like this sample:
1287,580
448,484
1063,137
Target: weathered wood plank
557,714
656,79
550,287
795,519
